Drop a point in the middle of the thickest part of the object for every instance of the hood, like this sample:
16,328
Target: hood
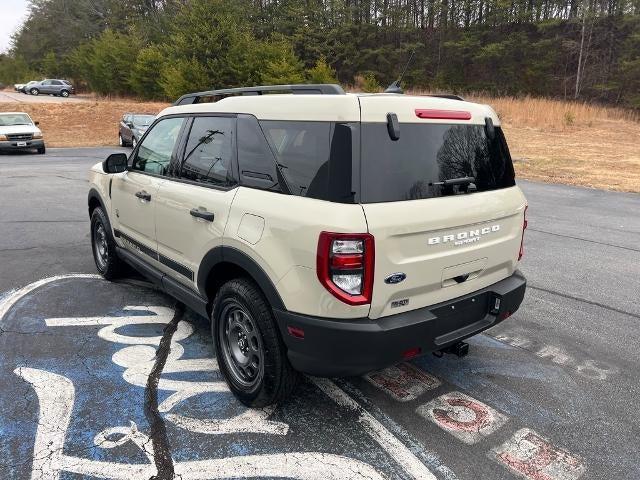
4,130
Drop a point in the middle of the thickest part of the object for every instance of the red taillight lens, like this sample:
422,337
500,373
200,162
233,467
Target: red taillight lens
524,227
345,264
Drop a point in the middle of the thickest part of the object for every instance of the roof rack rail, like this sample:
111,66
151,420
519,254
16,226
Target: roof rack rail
211,96
450,96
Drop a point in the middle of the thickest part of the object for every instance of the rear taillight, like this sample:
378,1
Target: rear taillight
524,227
345,265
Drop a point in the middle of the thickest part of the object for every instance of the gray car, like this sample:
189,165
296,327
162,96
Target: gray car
52,86
132,128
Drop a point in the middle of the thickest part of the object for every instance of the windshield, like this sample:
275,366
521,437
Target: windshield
14,119
142,120
417,165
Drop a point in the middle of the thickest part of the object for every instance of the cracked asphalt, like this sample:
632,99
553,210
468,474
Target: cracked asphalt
112,380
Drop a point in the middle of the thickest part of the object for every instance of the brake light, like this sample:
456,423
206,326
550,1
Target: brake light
524,227
345,264
443,114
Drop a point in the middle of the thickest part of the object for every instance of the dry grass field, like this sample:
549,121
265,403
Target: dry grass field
550,140
571,143
82,124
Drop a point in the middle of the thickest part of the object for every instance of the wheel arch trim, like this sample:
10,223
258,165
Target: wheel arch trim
95,195
227,254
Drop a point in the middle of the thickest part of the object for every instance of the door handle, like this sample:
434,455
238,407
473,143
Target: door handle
142,195
203,214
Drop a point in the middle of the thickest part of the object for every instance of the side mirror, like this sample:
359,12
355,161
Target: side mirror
36,123
115,163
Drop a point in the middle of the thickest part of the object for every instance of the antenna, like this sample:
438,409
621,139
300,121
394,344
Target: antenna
395,86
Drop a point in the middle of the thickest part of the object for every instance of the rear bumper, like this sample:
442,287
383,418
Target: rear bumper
12,145
337,348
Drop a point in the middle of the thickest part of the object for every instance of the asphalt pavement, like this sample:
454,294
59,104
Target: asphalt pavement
549,394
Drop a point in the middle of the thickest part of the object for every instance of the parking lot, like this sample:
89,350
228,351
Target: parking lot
550,394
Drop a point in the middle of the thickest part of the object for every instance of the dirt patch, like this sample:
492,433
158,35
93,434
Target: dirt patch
87,124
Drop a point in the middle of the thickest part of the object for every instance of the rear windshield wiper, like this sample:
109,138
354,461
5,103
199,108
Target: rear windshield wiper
455,181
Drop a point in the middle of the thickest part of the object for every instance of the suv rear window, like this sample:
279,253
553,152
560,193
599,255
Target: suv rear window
409,168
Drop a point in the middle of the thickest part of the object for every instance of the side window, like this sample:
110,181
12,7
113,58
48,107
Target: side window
56,82
315,157
209,152
255,158
46,82
154,153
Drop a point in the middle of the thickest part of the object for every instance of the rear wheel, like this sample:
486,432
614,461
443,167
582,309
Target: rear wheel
34,91
250,352
64,93
104,246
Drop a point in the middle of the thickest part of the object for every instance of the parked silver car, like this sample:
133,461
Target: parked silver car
52,86
132,128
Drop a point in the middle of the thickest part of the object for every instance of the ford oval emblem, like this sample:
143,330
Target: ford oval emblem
395,278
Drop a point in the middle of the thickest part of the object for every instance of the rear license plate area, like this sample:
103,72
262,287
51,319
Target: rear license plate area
463,312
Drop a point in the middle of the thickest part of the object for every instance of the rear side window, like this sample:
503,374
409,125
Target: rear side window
255,158
208,157
315,158
425,155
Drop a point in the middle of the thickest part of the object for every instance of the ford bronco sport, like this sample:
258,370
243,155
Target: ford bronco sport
321,232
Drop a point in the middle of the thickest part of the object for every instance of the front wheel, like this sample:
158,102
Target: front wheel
42,150
104,246
251,354
34,91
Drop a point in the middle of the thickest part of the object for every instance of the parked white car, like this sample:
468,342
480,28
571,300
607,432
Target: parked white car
19,132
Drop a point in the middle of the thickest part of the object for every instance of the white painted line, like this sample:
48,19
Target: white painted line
11,299
533,457
403,382
392,445
464,417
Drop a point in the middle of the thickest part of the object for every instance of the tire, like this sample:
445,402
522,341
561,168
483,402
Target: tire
251,355
42,150
103,246
120,140
64,93
34,91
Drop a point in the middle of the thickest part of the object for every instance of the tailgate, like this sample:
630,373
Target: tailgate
446,247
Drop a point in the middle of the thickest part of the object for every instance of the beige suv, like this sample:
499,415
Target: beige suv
321,232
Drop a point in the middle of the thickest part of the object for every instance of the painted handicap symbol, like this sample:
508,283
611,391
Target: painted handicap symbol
56,396
138,360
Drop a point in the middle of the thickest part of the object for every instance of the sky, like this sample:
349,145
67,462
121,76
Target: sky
12,15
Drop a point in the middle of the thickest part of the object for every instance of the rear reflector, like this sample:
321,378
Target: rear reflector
443,114
411,353
295,332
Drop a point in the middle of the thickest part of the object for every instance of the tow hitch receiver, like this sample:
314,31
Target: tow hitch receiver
460,349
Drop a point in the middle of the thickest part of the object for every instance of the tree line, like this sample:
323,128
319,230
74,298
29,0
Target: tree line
160,49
